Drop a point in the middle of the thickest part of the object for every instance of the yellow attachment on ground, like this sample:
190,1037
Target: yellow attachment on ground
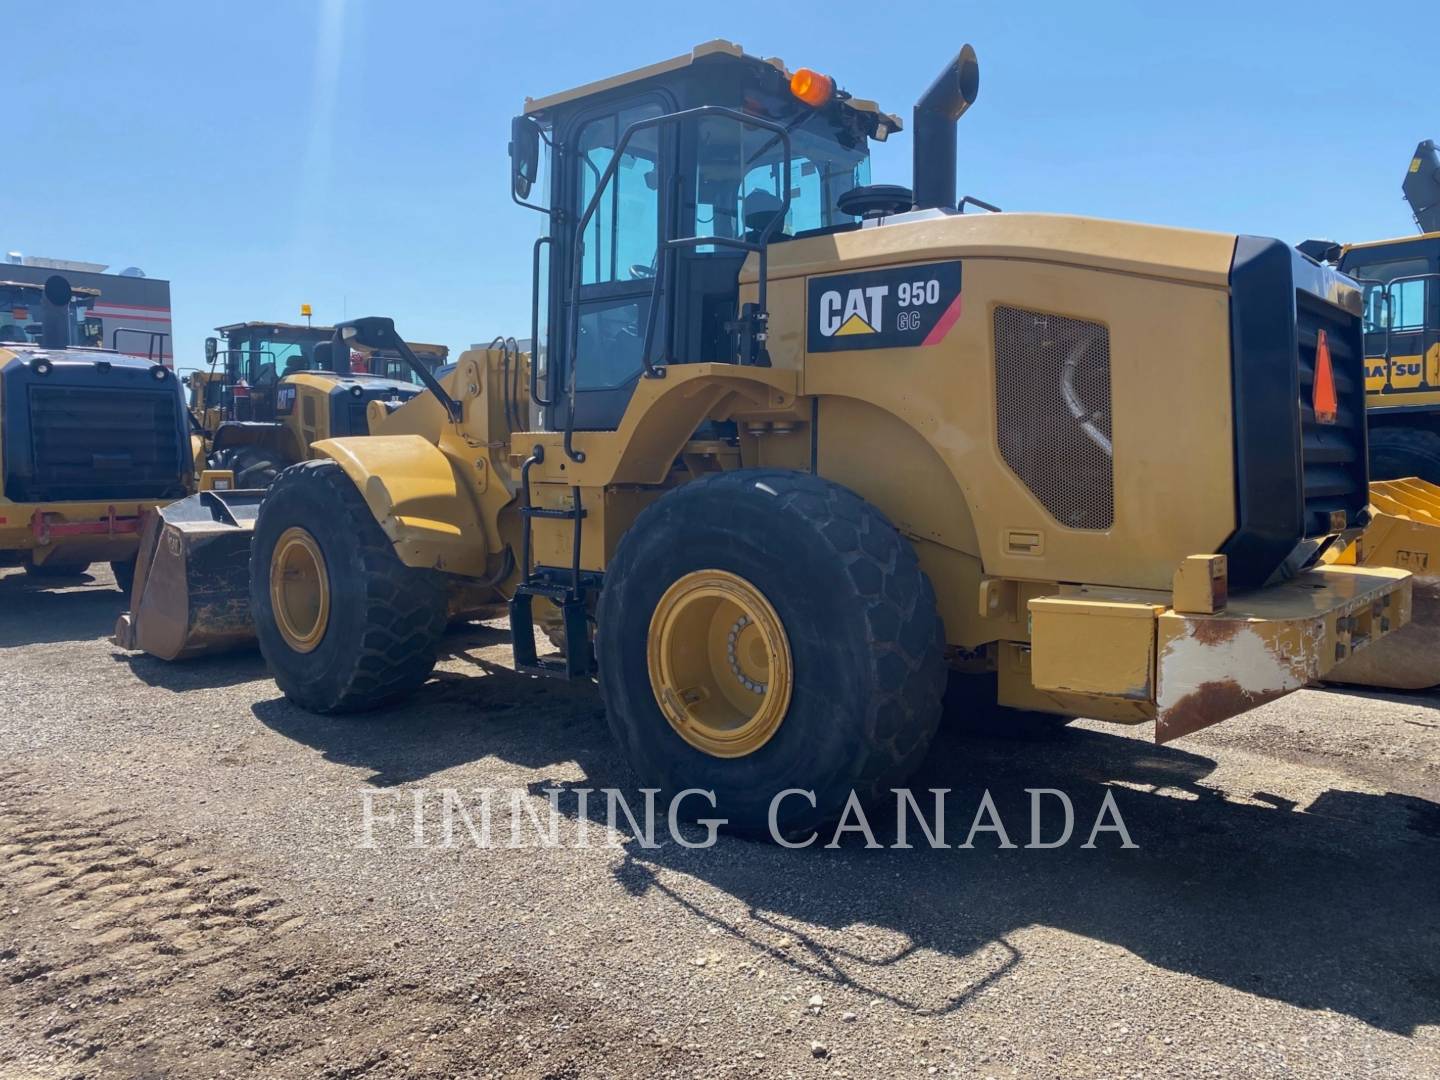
1404,532
1127,655
413,491
720,664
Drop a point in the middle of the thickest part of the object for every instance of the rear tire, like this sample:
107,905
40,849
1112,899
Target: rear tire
382,620
56,569
865,664
124,575
1398,452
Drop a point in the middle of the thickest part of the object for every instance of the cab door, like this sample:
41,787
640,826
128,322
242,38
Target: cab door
1402,318
617,262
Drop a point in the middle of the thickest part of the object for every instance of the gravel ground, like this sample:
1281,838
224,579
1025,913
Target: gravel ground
184,892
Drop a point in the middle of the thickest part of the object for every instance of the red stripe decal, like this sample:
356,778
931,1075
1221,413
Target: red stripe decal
132,307
120,316
947,320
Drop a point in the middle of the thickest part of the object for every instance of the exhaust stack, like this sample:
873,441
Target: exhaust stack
936,114
55,313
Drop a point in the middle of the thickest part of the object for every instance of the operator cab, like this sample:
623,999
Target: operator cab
758,155
257,355
23,315
1401,279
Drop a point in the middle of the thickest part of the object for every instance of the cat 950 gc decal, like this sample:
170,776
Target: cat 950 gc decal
893,308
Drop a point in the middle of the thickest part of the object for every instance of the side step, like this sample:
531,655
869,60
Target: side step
566,589
578,661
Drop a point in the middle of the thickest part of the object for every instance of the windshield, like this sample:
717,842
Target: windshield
1406,309
263,353
741,172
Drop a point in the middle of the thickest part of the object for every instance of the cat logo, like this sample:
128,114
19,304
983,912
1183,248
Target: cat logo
857,311
892,307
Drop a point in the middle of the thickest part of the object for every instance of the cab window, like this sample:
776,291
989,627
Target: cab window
1406,308
621,238
741,173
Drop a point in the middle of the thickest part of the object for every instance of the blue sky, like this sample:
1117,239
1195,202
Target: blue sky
351,153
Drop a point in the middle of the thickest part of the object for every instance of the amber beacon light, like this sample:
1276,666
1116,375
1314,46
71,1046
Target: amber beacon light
811,87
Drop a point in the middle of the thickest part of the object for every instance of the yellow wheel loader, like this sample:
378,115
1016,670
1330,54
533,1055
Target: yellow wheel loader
90,438
262,404
799,449
277,388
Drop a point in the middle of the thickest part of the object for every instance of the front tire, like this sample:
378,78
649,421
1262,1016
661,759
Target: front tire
793,637
344,625
253,467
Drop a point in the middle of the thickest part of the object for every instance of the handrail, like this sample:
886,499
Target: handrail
535,395
156,343
572,334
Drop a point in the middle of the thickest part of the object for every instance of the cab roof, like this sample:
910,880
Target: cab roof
1415,239
33,286
322,331
718,47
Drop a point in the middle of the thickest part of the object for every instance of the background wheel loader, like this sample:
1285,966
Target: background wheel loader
276,388
89,438
263,402
805,449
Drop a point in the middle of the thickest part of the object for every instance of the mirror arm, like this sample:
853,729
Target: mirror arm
396,342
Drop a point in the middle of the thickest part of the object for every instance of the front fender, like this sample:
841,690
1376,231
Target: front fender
411,487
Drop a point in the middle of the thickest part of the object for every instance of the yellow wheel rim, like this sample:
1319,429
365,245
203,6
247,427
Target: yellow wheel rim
720,663
299,590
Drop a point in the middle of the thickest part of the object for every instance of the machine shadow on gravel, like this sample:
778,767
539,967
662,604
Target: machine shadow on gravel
1333,908
1336,907
199,673
37,611
455,719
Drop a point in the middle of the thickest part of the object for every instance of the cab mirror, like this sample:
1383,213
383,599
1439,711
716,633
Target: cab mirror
524,155
212,349
372,332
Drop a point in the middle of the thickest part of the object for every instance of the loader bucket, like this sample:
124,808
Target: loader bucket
192,578
1404,533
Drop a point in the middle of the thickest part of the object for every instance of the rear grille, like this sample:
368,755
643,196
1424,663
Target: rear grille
1052,412
1332,455
104,443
